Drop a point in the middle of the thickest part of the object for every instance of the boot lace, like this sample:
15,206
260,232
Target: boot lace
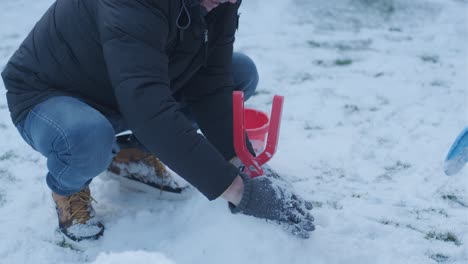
78,206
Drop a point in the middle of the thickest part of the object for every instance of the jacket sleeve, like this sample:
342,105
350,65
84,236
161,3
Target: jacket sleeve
133,35
209,93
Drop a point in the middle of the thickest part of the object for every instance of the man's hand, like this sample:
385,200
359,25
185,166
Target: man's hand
269,198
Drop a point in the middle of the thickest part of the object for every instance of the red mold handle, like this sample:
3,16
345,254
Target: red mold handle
253,164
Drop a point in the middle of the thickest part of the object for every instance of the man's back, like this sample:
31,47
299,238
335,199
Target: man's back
63,54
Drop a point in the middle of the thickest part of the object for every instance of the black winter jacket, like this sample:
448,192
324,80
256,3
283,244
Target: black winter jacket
137,59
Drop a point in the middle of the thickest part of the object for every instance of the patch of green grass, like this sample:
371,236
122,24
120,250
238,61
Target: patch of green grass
389,223
450,197
429,212
343,62
6,175
398,225
413,228
380,74
328,204
313,44
354,45
317,204
350,45
350,108
395,29
257,92
8,155
453,198
335,205
2,199
319,62
439,211
359,195
439,83
398,166
430,58
446,237
439,258
383,100
307,126
302,77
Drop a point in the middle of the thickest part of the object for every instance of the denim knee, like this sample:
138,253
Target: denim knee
86,150
245,74
91,146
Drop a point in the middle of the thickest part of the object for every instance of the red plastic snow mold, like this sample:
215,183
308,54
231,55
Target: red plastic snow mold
253,164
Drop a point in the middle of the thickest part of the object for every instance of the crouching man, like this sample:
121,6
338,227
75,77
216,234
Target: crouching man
90,69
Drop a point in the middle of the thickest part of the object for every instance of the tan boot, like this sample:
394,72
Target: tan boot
76,216
142,171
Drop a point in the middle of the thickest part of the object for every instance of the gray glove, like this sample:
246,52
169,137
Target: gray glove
267,170
269,198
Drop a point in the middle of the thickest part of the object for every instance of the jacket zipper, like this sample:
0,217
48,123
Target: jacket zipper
205,43
206,39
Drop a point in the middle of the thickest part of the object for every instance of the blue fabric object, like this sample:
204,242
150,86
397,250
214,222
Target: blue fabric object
457,156
76,139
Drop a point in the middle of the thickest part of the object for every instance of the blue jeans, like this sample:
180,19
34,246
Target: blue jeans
79,141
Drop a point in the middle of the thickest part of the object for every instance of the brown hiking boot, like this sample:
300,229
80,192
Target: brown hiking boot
141,170
76,216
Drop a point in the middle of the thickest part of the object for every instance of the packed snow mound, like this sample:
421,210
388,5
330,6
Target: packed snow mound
134,257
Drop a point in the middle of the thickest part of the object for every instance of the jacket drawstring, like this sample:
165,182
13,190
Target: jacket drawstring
182,28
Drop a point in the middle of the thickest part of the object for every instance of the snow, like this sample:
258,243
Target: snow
375,93
134,257
453,166
84,230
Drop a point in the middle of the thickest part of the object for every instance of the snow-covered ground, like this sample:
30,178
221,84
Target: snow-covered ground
375,92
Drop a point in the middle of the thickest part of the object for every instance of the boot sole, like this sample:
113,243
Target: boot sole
159,193
81,246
